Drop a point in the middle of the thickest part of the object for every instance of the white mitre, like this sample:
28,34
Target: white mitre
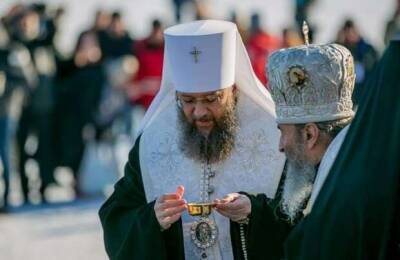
221,58
312,83
205,56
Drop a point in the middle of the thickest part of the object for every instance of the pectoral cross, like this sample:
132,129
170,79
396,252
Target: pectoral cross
195,54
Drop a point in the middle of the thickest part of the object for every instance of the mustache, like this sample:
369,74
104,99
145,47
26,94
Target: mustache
204,118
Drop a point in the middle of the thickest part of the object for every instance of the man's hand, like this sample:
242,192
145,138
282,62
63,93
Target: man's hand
234,206
169,207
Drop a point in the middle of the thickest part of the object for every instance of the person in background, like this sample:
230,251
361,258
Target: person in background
302,9
100,26
32,28
243,31
150,55
259,45
178,4
13,75
365,55
290,38
80,81
393,25
117,42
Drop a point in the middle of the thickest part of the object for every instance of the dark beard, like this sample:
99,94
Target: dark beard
215,147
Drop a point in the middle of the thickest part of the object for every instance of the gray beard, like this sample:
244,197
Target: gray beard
297,187
217,146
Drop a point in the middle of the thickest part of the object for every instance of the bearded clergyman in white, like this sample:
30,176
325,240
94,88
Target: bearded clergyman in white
210,131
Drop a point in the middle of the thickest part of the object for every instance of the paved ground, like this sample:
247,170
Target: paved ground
63,232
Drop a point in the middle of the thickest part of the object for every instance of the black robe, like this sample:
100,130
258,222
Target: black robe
268,226
131,229
356,215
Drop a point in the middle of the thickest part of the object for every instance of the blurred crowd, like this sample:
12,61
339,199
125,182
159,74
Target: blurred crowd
52,105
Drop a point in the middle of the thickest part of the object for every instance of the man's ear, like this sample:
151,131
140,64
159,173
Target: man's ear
311,134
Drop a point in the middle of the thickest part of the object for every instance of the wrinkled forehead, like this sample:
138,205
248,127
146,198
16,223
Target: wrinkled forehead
286,126
288,129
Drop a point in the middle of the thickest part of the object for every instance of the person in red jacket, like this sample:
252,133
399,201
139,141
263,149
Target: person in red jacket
150,54
260,44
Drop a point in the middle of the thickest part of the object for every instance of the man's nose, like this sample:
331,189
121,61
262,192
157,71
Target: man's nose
199,111
281,146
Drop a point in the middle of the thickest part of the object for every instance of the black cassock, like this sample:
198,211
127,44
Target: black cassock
268,227
131,230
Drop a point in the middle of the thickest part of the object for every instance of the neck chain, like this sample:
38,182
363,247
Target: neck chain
204,231
205,187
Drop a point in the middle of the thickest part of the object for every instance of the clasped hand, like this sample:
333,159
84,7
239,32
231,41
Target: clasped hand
234,206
